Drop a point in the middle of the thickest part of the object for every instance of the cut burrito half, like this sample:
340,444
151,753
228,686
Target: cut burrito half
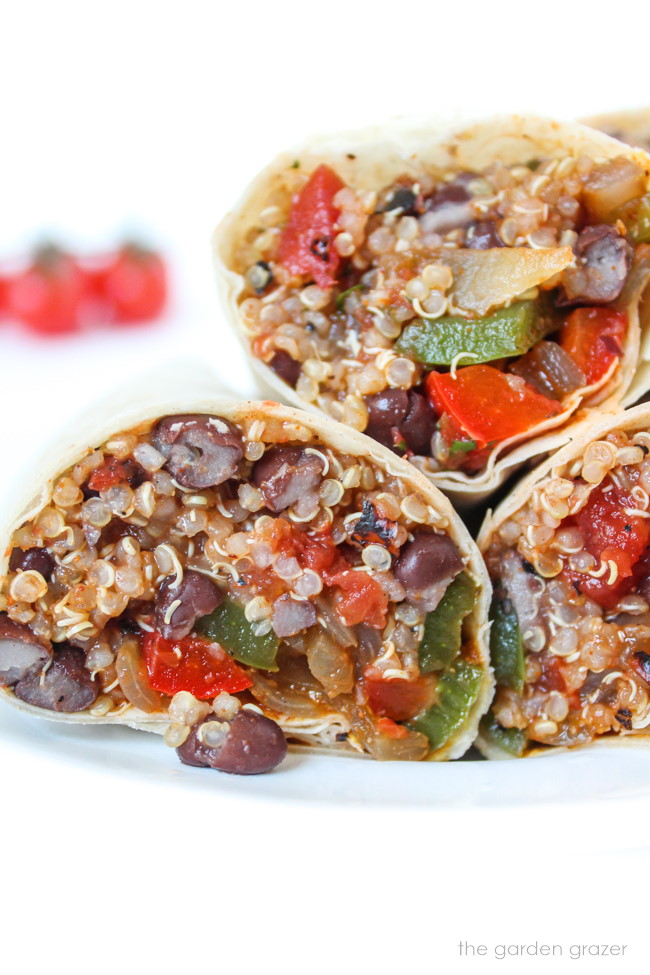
457,297
234,575
569,557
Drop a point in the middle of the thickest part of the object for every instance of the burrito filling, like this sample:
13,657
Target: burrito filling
250,583
451,313
570,637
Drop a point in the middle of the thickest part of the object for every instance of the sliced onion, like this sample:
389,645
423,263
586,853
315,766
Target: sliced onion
133,678
330,663
550,370
611,184
336,628
489,279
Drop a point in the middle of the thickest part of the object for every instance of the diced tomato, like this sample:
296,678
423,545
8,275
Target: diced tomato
307,242
593,338
551,678
398,700
362,598
107,475
487,404
611,535
386,726
192,664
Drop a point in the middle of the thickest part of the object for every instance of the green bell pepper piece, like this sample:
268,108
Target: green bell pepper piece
441,641
636,217
506,647
506,332
458,689
228,627
511,740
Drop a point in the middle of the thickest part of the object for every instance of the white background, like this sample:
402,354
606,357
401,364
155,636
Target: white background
152,117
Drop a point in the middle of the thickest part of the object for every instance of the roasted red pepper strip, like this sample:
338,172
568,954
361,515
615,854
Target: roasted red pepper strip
487,404
593,338
307,242
611,535
192,664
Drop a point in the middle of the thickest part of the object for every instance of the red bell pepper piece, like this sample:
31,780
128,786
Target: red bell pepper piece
192,664
487,405
593,338
307,242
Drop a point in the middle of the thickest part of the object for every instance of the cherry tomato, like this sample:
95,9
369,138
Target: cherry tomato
611,535
133,286
192,664
593,337
107,475
307,242
399,700
49,295
362,598
487,404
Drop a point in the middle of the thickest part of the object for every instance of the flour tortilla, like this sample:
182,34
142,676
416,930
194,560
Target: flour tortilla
381,154
631,126
579,436
187,390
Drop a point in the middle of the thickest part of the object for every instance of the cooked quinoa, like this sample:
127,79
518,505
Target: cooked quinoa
216,572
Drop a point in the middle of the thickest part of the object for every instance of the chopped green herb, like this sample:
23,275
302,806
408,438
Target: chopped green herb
341,298
295,164
462,446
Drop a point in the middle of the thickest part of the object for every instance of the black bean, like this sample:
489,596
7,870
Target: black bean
285,367
397,418
386,412
201,450
35,559
65,685
402,198
483,235
419,425
253,744
198,596
603,261
21,651
285,474
427,560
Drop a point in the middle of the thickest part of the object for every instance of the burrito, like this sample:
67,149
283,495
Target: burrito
631,126
457,297
236,575
568,553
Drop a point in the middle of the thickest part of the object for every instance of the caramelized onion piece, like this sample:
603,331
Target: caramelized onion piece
487,279
550,370
133,678
612,183
330,663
